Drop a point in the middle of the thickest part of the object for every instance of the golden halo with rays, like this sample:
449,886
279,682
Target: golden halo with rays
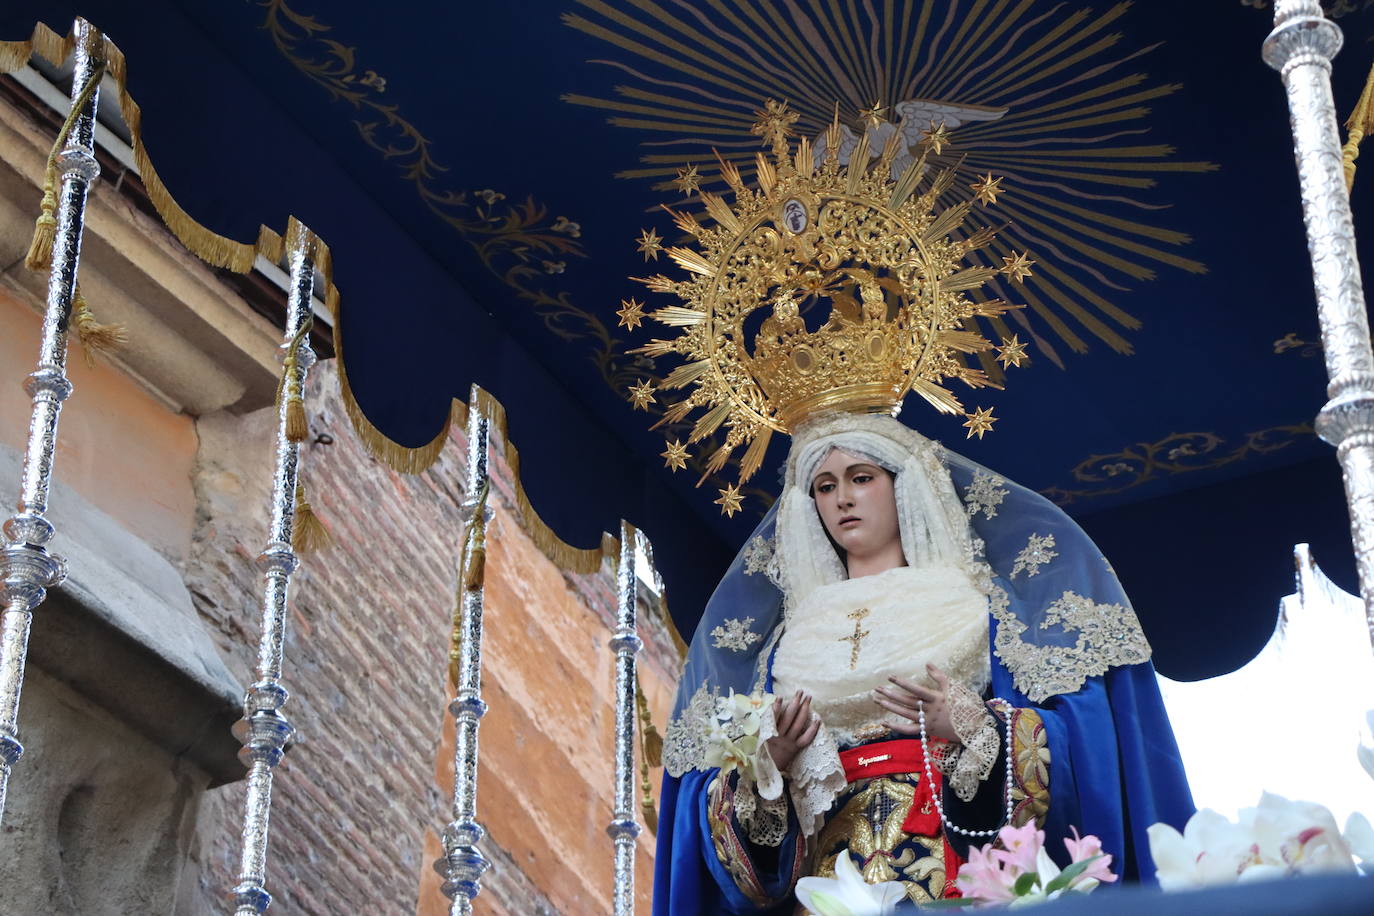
1034,91
879,251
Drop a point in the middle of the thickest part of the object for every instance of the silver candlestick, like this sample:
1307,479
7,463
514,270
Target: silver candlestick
27,569
1301,48
266,732
463,864
625,642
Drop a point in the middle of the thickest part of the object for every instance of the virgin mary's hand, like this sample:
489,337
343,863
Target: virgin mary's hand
902,696
796,729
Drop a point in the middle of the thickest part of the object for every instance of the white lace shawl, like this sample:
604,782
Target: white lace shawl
935,537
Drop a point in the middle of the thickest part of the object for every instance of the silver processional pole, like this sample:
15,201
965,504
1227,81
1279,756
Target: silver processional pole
266,731
463,864
27,569
625,642
1301,48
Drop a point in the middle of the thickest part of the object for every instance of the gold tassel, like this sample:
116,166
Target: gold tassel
1361,121
646,803
309,535
39,256
472,575
97,339
475,558
297,428
652,740
650,755
40,249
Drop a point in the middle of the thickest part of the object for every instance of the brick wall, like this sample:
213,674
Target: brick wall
357,802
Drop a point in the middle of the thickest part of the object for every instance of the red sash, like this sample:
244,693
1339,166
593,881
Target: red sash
904,755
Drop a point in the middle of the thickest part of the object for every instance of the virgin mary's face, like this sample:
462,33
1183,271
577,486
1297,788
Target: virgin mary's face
857,504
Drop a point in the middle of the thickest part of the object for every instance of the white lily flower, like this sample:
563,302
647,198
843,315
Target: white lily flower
1366,755
1048,871
1045,867
1301,836
732,738
1211,850
1364,752
1274,839
1359,835
847,894
740,706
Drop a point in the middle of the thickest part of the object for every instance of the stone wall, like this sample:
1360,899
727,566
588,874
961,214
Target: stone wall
358,802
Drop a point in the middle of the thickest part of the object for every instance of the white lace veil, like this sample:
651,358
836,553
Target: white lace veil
934,527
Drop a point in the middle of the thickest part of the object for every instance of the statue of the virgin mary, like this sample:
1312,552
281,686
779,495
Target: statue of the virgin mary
1037,667
910,651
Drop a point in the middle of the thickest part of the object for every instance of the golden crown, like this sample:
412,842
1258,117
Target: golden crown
888,254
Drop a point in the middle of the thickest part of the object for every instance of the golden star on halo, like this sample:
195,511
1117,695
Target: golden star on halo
687,179
631,313
936,137
1012,352
730,500
650,244
979,422
675,457
987,188
872,117
642,394
1017,267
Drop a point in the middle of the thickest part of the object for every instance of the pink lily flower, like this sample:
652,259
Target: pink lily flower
1081,848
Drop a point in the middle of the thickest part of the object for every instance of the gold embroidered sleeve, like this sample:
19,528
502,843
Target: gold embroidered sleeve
1030,770
728,838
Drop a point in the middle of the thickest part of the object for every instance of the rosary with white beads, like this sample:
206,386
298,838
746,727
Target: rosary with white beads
930,778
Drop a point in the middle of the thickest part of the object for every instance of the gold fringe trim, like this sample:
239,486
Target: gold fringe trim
220,251
1360,122
561,553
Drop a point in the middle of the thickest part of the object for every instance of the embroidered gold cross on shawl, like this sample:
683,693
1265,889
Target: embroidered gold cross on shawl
857,637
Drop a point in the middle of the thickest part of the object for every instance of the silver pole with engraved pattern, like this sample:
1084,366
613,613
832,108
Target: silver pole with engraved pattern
267,732
463,863
27,569
625,642
1301,47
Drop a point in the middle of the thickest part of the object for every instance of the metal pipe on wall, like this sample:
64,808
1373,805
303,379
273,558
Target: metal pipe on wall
1301,47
